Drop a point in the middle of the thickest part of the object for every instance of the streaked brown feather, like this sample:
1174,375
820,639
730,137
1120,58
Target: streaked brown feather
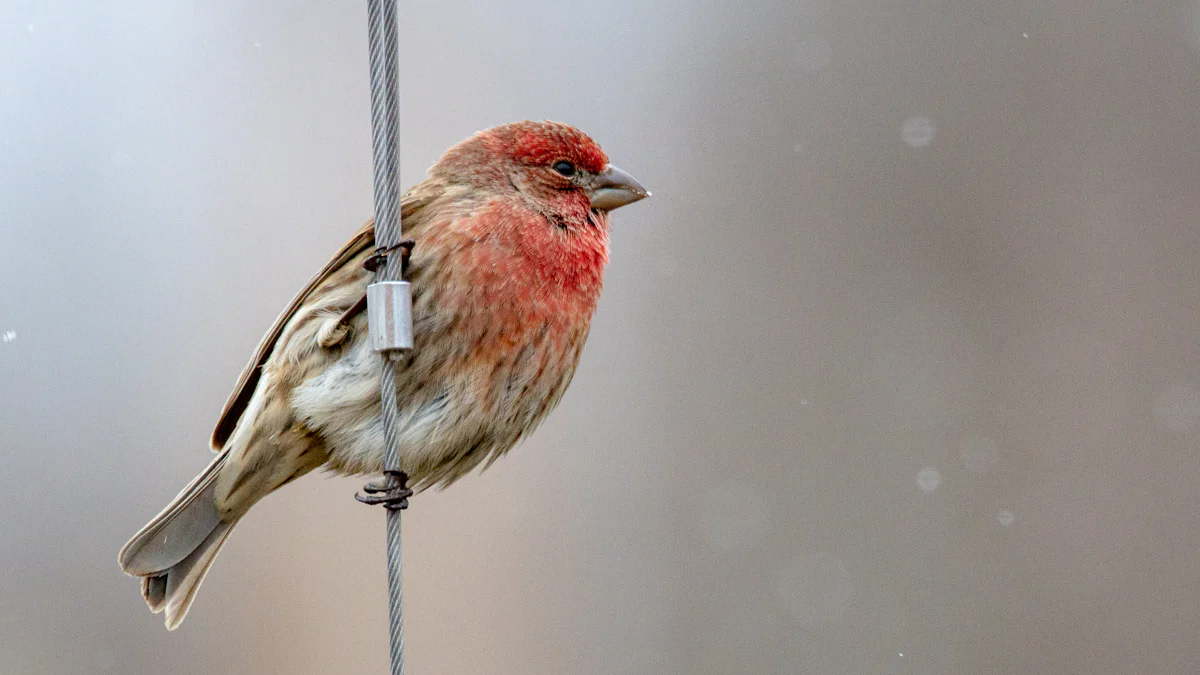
505,275
363,239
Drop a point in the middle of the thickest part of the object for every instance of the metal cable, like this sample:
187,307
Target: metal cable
385,131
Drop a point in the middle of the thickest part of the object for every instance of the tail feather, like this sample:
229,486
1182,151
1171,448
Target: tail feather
176,531
174,589
174,551
154,590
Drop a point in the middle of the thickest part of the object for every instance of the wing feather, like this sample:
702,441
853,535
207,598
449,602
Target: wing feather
235,406
248,382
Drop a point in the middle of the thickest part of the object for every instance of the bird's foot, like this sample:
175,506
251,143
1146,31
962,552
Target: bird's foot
392,491
379,258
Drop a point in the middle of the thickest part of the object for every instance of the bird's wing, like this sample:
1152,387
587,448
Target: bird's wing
248,382
235,406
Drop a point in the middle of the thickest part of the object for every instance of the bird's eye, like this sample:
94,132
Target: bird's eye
565,168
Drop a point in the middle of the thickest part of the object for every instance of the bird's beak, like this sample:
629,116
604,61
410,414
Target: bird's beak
614,188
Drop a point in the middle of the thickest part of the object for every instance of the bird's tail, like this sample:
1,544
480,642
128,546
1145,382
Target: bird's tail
173,552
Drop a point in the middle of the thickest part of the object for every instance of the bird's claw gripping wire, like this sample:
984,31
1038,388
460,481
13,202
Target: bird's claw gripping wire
379,259
371,264
393,496
393,491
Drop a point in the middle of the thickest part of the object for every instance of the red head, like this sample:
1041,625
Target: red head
531,226
556,169
540,144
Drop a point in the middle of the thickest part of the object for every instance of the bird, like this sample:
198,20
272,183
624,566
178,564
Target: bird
508,239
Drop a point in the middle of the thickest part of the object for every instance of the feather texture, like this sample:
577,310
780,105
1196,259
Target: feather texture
506,272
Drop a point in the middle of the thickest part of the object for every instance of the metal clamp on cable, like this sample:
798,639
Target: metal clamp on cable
389,315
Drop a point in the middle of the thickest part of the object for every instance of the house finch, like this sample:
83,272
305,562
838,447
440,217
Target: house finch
510,240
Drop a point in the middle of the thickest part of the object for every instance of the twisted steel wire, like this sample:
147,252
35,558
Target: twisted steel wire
385,132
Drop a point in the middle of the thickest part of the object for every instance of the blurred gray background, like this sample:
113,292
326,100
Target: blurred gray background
896,373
